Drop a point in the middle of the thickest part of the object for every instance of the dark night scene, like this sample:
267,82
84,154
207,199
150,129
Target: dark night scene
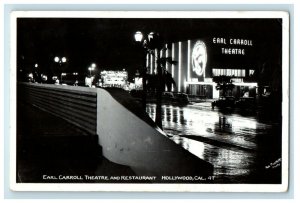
149,100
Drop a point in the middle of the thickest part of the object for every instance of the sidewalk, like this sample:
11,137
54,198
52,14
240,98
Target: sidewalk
203,103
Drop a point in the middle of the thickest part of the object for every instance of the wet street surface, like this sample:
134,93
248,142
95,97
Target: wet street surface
240,147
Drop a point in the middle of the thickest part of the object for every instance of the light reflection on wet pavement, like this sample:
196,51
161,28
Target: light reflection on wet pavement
230,142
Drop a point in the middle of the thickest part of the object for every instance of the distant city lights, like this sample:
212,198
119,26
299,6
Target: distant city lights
114,78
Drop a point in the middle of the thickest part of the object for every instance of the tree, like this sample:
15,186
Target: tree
153,42
164,79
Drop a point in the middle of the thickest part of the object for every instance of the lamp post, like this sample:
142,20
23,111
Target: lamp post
60,61
149,44
138,36
90,80
36,73
92,68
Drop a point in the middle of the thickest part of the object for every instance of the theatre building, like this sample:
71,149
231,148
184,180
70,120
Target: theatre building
200,60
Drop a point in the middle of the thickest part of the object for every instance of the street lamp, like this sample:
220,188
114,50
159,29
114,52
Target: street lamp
56,59
60,61
64,59
138,36
92,68
149,44
36,73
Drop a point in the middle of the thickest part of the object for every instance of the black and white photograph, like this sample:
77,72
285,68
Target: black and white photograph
150,101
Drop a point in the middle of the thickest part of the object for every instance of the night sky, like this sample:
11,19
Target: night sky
110,43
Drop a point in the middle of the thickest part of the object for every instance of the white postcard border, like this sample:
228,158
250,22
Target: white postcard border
154,187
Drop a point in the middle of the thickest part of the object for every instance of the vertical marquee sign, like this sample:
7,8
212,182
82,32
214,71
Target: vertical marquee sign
198,59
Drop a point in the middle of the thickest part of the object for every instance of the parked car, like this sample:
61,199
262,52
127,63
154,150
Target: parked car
246,103
224,102
168,97
182,98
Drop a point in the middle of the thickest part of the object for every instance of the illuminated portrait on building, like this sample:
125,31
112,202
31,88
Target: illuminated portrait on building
199,58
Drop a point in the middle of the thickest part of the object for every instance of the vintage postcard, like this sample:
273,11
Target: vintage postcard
182,101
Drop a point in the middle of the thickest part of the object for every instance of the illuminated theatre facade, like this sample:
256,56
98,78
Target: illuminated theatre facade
199,60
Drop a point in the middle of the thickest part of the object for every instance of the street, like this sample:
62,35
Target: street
240,147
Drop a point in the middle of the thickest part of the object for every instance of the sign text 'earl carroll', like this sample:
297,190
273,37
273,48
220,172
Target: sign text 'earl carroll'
235,42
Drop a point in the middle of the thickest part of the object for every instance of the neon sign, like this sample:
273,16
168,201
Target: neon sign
199,58
235,42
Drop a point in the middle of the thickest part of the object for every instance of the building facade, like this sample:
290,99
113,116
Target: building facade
200,60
